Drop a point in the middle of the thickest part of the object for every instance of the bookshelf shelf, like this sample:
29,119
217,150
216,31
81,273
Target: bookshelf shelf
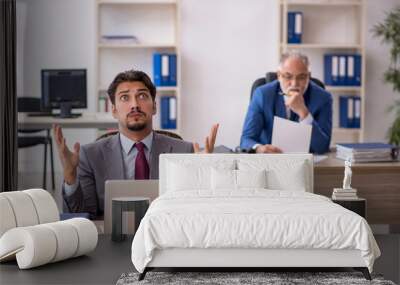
346,131
137,2
135,46
165,89
343,89
330,27
323,2
343,135
322,46
129,33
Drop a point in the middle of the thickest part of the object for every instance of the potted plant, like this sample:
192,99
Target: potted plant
389,32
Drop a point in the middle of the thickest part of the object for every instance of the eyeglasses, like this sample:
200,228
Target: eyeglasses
290,77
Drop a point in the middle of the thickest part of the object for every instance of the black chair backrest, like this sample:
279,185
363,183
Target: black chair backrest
271,76
29,104
163,132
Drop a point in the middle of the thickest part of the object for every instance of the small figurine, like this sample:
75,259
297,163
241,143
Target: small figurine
347,175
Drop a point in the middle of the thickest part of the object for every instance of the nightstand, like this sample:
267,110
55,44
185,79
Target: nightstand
358,206
139,205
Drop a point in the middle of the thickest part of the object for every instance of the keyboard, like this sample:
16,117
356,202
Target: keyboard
40,114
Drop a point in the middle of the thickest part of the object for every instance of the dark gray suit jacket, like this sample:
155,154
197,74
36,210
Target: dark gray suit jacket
102,160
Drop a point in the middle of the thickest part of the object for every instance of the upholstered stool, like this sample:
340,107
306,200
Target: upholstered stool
31,233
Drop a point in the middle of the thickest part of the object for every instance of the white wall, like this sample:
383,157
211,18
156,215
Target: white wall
226,50
379,95
58,34
225,46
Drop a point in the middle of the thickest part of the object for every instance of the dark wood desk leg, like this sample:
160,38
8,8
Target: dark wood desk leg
117,222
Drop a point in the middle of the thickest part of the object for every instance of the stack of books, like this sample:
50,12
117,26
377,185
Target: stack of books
344,194
364,152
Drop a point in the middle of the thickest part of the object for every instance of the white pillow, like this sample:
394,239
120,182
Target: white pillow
188,175
223,179
282,174
251,178
237,179
295,180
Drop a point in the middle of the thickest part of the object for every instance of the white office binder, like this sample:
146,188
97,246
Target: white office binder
335,65
357,108
342,66
165,65
350,109
298,23
172,108
350,67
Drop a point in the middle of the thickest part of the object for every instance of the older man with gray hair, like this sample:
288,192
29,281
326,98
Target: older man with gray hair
292,96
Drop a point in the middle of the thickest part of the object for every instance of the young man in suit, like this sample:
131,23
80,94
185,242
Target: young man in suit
293,96
131,154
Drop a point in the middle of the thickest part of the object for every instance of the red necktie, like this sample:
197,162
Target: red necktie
141,165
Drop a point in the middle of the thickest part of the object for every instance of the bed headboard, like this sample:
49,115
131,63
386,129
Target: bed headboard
283,170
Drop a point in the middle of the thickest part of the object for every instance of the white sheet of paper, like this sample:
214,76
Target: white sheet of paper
319,158
291,136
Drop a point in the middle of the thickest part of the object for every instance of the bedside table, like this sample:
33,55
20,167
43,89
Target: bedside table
139,205
358,206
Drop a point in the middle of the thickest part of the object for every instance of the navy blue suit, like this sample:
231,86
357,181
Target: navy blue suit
267,103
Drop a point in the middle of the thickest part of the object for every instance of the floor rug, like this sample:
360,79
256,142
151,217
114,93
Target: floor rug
229,278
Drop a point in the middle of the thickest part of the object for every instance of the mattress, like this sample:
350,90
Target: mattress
250,218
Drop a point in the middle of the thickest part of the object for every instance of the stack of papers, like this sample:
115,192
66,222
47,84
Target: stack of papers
364,152
119,39
291,137
344,194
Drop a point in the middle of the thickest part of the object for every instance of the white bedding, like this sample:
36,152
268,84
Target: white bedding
251,218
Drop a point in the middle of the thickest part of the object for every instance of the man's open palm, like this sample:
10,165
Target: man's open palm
69,159
209,142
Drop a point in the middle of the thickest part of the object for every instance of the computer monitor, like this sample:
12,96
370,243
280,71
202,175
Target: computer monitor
64,89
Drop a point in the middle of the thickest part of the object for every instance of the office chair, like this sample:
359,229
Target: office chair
31,104
271,76
163,132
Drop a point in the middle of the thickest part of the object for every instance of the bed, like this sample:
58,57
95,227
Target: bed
241,210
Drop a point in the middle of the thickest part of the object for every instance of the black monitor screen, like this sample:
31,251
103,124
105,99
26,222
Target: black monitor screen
62,86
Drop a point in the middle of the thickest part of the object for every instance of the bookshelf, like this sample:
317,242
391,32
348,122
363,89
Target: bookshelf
149,26
330,27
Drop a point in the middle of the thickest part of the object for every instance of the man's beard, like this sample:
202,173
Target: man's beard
290,89
137,126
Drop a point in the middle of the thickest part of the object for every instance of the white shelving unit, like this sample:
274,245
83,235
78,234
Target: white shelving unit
155,24
330,26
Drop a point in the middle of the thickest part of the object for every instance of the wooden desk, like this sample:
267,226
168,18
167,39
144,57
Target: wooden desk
87,120
378,183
